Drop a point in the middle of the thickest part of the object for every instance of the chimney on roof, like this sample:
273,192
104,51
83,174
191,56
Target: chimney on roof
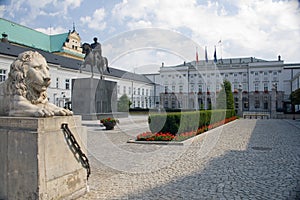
184,63
279,58
162,64
4,38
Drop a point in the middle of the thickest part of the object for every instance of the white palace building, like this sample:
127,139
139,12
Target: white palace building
190,85
194,85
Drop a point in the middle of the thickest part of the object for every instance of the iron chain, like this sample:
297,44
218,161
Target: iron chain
77,150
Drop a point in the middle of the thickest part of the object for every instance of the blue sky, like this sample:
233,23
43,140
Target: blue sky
138,35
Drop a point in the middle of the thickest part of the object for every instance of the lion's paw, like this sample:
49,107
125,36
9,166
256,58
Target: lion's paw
43,113
62,112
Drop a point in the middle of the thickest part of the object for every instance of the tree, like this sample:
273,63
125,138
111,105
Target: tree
225,97
295,97
124,103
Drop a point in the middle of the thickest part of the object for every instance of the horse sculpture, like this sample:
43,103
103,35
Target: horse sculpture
94,58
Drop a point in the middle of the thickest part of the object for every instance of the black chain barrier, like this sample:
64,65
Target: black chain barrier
77,150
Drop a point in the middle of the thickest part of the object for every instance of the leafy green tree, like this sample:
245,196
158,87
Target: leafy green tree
225,97
124,103
295,97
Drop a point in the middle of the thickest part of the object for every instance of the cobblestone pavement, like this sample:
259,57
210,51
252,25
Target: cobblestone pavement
245,159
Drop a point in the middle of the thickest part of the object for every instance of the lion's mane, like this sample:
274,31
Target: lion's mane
17,84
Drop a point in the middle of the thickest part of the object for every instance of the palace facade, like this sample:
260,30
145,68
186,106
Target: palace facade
195,85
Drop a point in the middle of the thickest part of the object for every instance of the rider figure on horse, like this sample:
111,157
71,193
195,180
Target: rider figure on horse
93,57
96,46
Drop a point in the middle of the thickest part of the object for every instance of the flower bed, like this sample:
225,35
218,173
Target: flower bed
149,136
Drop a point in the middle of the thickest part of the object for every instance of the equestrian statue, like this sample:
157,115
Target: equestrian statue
93,57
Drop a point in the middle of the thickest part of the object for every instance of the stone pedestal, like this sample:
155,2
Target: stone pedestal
92,97
37,161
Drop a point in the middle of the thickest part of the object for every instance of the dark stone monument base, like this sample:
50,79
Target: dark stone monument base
92,97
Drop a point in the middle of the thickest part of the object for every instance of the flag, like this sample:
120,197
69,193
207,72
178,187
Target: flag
206,58
215,55
197,59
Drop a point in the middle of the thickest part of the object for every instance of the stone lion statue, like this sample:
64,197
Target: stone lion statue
24,92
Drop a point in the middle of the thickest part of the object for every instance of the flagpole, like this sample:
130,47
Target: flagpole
205,79
220,44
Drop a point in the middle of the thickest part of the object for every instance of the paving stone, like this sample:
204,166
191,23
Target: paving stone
220,165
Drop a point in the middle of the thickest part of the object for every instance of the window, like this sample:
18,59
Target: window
129,90
246,103
217,87
180,88
139,91
245,87
256,73
256,88
266,105
143,91
2,75
134,90
235,74
119,89
173,103
166,89
147,92
208,88
124,89
256,103
200,88
192,88
67,84
57,82
266,87
173,88
236,86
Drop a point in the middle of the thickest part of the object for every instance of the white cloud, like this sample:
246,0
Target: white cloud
96,22
247,28
141,48
52,30
32,9
2,9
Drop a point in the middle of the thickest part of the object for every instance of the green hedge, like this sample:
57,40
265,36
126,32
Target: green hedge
186,121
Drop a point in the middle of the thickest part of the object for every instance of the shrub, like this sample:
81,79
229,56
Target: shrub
176,123
160,136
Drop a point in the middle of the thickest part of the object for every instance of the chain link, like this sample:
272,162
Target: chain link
77,150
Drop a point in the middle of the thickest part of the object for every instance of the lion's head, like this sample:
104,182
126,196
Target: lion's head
29,77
